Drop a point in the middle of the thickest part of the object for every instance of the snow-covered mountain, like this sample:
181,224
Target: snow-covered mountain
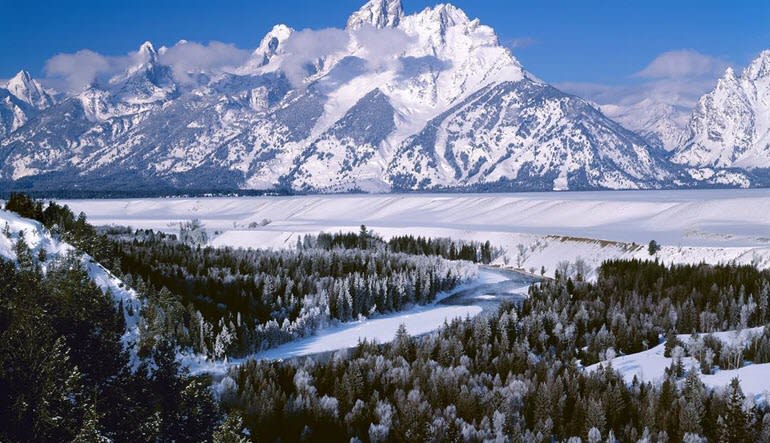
392,102
730,126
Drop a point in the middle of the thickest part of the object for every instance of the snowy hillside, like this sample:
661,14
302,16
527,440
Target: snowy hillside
392,102
39,238
650,365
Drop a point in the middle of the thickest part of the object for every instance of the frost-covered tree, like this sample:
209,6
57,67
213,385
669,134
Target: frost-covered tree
231,430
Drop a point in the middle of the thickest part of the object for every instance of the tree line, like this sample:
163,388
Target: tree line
232,302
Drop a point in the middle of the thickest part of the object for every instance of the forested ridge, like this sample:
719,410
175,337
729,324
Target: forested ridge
233,302
447,248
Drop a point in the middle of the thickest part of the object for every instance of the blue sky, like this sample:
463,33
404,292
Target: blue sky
564,42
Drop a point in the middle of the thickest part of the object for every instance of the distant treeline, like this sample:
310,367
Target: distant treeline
155,192
447,248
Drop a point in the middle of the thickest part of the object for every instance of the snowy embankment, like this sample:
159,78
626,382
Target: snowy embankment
39,238
536,230
650,365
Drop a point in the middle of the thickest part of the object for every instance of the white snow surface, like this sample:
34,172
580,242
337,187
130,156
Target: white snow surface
650,366
715,226
39,238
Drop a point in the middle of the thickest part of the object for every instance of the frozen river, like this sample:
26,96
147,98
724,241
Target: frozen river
483,295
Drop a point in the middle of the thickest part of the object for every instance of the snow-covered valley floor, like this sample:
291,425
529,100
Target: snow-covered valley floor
536,230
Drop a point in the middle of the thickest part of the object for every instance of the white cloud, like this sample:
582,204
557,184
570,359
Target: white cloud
381,47
302,50
306,47
520,42
677,78
187,58
675,92
73,72
683,63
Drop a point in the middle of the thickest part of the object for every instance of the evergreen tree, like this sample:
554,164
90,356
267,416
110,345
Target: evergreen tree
692,404
91,430
734,422
653,247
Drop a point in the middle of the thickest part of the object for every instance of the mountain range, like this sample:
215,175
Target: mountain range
394,102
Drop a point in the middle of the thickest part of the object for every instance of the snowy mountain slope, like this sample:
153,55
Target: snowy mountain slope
359,133
378,13
396,101
39,238
730,126
663,125
29,90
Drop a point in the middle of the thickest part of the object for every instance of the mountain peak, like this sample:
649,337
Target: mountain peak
760,67
730,126
28,90
272,40
148,53
146,58
377,13
451,14
728,78
21,77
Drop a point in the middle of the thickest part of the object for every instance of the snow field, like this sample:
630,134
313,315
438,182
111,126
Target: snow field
650,366
715,226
